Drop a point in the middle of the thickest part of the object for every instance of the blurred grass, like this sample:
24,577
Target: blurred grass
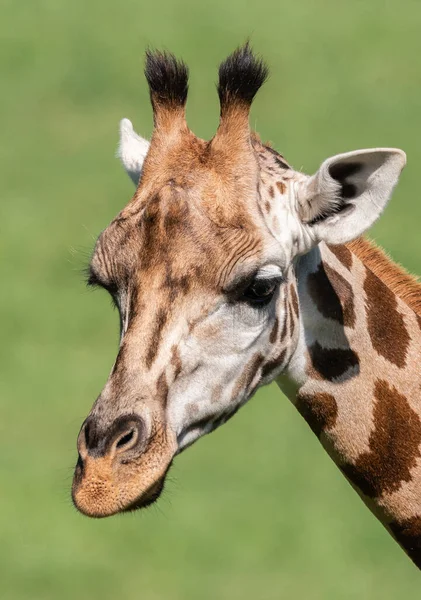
256,510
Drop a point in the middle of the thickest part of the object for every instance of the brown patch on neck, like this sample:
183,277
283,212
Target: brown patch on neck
332,295
343,254
395,277
386,325
333,364
319,410
394,444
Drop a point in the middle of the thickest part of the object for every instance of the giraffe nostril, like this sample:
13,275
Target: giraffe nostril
79,467
126,439
87,430
129,435
79,464
124,434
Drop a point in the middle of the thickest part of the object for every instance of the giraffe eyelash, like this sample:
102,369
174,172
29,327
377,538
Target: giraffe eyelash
260,292
256,291
94,282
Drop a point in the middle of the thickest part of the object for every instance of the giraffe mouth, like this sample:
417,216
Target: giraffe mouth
149,497
101,493
107,485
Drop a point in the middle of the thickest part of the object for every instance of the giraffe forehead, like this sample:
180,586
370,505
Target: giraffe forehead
195,222
177,243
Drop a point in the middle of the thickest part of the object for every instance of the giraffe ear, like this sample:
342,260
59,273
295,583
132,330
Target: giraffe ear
349,192
132,150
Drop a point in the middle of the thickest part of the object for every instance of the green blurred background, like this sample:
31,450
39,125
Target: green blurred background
257,510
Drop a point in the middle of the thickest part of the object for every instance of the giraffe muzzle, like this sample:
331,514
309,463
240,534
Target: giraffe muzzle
120,468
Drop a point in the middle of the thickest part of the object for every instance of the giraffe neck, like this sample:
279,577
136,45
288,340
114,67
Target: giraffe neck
356,379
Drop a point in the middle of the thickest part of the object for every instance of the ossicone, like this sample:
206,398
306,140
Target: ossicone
167,78
240,77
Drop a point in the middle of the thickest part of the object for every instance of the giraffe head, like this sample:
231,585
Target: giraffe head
200,264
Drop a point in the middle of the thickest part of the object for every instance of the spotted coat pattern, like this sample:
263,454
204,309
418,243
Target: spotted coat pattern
362,396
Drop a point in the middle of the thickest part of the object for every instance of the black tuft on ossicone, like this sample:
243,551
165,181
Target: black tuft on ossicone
167,78
240,77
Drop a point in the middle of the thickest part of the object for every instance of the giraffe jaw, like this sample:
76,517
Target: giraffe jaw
149,497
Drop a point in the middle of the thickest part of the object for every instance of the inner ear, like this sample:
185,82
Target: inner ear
343,173
349,192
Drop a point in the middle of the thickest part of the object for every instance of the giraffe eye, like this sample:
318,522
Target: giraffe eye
260,292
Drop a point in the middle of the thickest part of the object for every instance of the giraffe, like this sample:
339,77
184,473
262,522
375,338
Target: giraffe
230,270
